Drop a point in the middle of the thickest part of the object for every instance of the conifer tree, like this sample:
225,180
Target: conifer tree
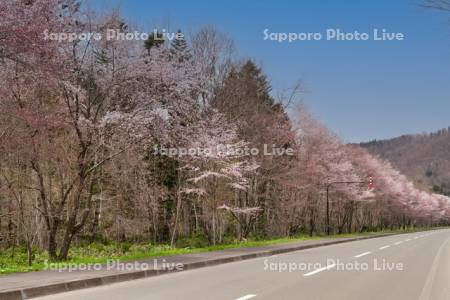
179,47
154,40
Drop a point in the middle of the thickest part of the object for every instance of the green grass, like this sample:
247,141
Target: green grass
15,260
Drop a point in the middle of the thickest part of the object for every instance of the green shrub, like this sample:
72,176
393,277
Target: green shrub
195,241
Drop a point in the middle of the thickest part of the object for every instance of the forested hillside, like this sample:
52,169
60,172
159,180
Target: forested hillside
424,158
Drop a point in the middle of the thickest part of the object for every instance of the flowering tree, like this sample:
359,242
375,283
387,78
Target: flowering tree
219,174
101,99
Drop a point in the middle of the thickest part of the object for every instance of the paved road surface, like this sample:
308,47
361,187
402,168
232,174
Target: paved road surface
406,266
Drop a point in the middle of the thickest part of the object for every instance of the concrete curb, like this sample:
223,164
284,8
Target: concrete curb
44,290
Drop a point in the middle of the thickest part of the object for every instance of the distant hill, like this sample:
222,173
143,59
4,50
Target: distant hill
424,158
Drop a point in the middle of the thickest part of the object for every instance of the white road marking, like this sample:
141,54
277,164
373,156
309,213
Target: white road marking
320,270
246,297
362,254
416,237
428,287
407,240
384,247
398,243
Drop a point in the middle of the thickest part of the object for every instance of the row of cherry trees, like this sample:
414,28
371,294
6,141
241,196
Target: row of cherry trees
83,126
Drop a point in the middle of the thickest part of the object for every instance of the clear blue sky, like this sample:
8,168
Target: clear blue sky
361,90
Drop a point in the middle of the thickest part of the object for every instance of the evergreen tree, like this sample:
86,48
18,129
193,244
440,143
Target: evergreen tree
154,40
252,73
245,99
179,47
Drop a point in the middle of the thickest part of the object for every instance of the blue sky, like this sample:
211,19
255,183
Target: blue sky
362,90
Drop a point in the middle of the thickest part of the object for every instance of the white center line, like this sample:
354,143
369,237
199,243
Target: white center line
384,247
320,270
362,254
246,297
398,243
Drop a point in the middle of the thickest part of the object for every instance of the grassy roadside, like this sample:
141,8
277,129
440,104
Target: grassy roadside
15,260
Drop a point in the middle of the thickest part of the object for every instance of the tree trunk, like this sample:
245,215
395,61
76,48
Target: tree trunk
177,215
51,247
29,253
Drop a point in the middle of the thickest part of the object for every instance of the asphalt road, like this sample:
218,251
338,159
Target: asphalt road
406,266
